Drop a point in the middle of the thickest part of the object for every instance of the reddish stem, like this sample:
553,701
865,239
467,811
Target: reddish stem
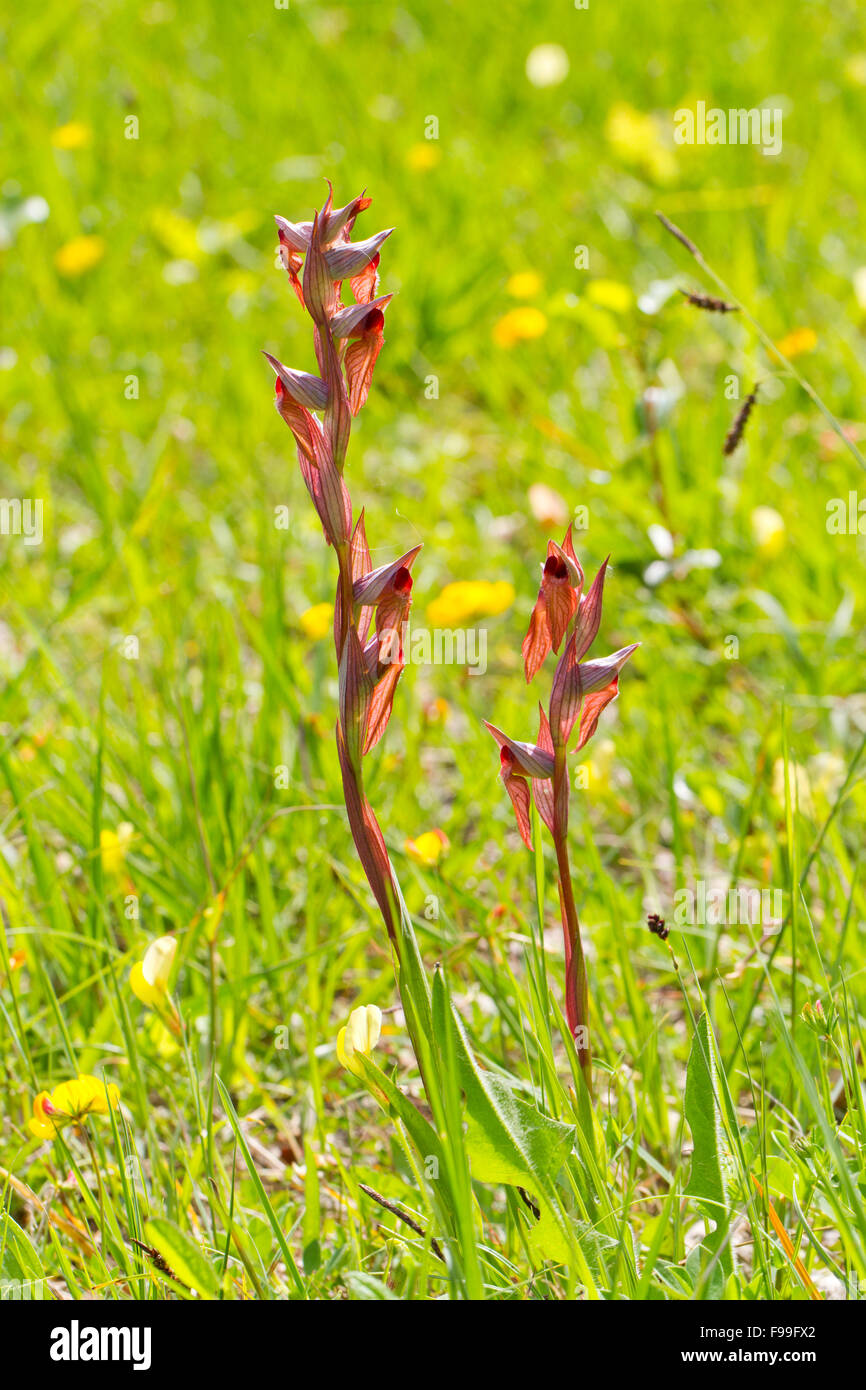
576,985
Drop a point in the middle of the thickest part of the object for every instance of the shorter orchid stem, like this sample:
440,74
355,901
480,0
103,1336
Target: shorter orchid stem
576,984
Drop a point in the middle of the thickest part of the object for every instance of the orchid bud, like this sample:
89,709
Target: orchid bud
318,282
342,220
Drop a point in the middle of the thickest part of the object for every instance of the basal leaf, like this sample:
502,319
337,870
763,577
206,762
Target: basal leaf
508,1140
707,1178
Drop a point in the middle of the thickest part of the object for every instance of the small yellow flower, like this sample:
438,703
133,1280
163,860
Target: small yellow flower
71,1101
113,846
428,849
798,341
470,598
79,255
641,140
855,69
526,284
610,294
316,621
519,325
768,530
72,136
423,156
360,1035
148,978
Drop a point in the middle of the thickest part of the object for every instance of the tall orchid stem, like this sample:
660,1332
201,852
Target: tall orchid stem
345,562
576,984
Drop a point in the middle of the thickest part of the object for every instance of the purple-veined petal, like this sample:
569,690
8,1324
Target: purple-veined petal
345,323
304,388
532,760
345,261
595,675
370,588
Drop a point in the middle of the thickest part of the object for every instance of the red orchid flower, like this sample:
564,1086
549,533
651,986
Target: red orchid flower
556,605
295,393
520,762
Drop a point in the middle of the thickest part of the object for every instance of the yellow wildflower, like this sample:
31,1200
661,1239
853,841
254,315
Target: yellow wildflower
71,1101
72,136
176,234
359,1036
113,846
316,621
423,156
768,531
148,978
640,140
855,69
610,294
519,325
428,848
798,341
79,255
524,285
470,598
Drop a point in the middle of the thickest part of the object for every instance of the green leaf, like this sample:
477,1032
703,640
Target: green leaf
312,1210
369,1288
268,1209
547,1242
707,1178
400,1107
183,1256
508,1141
21,1273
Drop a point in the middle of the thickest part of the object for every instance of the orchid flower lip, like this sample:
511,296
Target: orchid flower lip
554,568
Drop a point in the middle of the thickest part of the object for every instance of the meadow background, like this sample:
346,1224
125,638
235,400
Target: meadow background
139,285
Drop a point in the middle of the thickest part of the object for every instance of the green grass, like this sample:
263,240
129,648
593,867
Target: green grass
242,1145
